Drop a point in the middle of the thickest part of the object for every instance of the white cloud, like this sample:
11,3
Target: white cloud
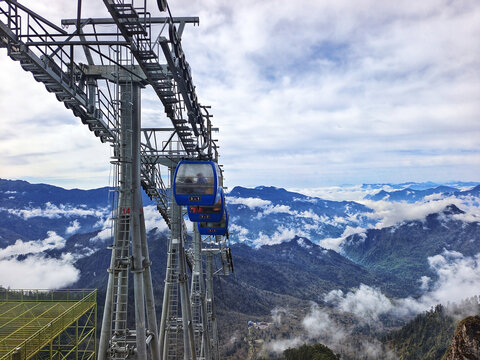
459,277
341,193
250,202
435,196
424,282
103,235
53,241
277,314
37,272
281,235
301,242
336,243
320,327
279,346
53,211
392,213
73,227
387,214
471,207
309,214
278,209
346,96
238,232
318,324
365,302
153,218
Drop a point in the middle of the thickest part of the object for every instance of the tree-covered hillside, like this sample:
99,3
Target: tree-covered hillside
309,352
428,335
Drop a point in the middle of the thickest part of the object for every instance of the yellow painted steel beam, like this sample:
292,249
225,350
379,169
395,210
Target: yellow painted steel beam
45,319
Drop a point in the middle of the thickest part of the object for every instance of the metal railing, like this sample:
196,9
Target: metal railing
36,295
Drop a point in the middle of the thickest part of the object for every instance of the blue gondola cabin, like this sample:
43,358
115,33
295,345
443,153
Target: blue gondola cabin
204,213
214,228
196,183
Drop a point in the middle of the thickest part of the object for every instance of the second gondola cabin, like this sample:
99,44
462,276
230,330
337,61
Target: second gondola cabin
198,213
215,228
196,182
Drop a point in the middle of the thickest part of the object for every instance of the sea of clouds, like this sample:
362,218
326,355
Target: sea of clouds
27,264
458,279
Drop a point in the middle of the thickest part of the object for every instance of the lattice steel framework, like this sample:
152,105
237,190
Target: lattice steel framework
48,324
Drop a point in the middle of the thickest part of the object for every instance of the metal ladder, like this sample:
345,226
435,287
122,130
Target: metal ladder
174,327
120,289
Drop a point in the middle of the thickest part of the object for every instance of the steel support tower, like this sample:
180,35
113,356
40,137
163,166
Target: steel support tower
97,70
116,340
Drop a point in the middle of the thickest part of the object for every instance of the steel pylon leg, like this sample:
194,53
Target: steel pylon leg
198,303
116,339
176,286
210,306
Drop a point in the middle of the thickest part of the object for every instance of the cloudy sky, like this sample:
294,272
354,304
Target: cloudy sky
305,93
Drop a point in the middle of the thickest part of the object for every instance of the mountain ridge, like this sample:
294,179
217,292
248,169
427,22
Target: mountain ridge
279,266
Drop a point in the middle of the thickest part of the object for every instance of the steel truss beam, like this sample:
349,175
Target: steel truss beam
172,94
153,20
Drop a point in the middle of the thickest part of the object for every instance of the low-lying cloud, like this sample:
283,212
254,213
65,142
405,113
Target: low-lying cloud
153,219
38,272
318,326
249,202
278,346
35,269
387,214
20,247
73,227
336,243
239,232
365,302
52,211
277,314
342,193
392,213
282,234
458,278
102,235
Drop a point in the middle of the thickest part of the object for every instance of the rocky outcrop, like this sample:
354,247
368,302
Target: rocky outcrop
466,341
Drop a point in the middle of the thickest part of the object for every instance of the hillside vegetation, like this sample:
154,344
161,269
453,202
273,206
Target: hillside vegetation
309,352
428,335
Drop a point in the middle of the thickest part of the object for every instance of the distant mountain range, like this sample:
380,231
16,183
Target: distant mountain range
275,235
269,215
29,211
400,253
412,195
420,185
